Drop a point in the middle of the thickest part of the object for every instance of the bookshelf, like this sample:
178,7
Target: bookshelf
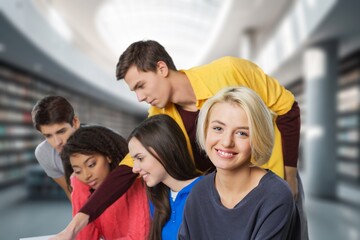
19,91
348,109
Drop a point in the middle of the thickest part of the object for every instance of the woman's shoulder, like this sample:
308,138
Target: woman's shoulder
275,186
203,183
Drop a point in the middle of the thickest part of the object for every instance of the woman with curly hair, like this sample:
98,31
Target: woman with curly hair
89,155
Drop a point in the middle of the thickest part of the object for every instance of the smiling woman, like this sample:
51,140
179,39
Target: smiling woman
158,148
235,128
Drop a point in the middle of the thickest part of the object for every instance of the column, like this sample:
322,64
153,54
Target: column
321,73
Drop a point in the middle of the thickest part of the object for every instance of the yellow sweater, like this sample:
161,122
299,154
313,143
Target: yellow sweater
208,79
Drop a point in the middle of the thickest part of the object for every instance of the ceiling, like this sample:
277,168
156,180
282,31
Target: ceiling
193,32
78,34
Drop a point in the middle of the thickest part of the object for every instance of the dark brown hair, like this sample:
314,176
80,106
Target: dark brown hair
144,55
52,110
163,139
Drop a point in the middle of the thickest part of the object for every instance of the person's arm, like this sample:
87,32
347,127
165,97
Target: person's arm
275,217
79,195
289,127
277,225
283,103
62,183
115,185
291,179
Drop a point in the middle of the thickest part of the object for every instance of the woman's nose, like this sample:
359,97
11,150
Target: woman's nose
87,174
227,140
136,168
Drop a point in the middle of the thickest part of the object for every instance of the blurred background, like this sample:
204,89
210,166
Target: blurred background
71,48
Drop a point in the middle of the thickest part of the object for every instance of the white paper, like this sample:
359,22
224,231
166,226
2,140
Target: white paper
38,238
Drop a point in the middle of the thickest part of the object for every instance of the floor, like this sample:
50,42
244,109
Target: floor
329,220
20,217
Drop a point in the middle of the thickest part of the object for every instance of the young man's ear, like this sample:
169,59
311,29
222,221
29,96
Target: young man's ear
162,68
76,122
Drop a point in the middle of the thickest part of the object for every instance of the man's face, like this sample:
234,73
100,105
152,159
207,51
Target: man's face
57,134
153,88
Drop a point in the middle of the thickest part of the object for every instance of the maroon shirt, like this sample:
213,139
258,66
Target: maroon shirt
202,162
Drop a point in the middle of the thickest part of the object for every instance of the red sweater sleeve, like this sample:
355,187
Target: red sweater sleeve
289,127
115,185
79,195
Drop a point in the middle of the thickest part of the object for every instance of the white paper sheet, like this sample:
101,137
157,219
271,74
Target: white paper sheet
38,238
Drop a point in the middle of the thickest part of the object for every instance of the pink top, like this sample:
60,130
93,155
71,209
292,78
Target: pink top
127,218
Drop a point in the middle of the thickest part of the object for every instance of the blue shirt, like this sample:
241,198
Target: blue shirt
171,228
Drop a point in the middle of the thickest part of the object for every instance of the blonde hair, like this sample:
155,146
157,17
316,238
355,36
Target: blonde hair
260,118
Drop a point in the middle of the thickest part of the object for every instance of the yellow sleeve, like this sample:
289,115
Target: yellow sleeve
127,160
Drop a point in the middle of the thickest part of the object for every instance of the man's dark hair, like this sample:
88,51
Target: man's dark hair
144,55
52,110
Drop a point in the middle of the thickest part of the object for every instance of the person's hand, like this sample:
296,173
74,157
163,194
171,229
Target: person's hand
291,179
79,221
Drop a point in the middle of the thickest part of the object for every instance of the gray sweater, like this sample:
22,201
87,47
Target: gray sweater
267,212
49,160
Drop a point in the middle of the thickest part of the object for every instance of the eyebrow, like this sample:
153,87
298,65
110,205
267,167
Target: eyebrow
84,161
136,85
58,131
61,129
217,121
221,123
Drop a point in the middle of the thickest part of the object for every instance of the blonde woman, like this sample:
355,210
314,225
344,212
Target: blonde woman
239,200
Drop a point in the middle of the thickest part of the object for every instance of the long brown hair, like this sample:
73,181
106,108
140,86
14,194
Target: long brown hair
163,139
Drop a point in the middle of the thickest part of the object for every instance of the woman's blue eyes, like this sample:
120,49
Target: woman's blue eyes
217,128
240,133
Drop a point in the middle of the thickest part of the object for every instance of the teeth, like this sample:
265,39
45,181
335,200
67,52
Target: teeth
225,154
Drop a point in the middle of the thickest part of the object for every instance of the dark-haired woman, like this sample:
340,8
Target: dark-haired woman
89,155
158,147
